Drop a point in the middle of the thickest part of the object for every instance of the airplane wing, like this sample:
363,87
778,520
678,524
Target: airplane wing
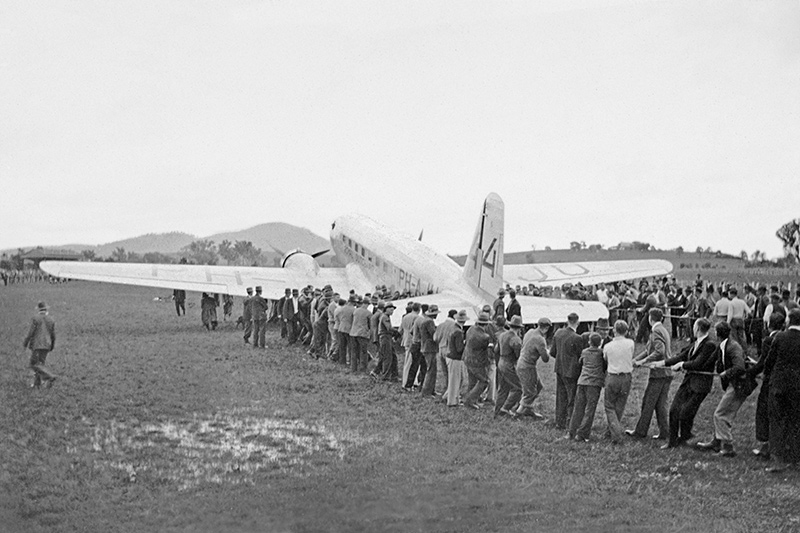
231,280
587,273
533,308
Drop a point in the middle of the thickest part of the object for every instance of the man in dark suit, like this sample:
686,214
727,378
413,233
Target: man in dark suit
730,367
514,309
567,348
697,357
657,392
291,314
784,396
764,365
179,295
281,303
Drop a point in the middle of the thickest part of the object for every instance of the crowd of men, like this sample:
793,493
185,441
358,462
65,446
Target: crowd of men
28,275
495,360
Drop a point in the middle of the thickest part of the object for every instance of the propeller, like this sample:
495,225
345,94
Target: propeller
323,252
420,233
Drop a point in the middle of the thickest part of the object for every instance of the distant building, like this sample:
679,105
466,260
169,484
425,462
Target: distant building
623,246
39,254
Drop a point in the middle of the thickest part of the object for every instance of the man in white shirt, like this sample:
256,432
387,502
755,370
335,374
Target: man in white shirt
737,313
619,355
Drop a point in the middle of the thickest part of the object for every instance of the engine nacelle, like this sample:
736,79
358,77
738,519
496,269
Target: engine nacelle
300,262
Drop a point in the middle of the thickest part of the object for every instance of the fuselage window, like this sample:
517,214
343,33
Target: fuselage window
356,247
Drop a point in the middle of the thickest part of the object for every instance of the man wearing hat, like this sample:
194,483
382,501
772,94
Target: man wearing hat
418,368
247,315
291,315
386,333
534,348
567,348
442,338
258,310
320,325
476,358
453,360
287,294
406,327
604,330
429,348
333,347
374,343
41,340
498,306
345,325
508,346
359,336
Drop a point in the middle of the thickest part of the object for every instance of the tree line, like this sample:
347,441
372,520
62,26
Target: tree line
199,252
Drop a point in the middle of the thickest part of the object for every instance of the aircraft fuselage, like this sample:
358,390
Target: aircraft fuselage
393,258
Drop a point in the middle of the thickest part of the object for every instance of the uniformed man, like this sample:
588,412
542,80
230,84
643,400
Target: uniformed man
258,310
247,316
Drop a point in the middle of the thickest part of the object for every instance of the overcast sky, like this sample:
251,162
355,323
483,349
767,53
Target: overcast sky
675,123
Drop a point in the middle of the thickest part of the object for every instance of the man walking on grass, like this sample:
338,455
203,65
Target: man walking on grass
41,340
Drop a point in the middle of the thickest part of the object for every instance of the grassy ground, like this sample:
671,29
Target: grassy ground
159,425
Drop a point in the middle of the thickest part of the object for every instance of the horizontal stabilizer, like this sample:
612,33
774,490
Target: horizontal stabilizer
587,273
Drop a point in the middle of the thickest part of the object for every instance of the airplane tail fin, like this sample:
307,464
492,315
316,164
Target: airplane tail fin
484,266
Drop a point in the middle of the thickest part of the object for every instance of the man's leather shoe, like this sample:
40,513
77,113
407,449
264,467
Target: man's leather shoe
669,446
659,437
632,433
762,452
777,468
713,445
727,450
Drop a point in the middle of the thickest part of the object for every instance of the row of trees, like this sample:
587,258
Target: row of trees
200,252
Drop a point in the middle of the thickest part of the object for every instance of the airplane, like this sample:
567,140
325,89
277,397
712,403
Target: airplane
374,255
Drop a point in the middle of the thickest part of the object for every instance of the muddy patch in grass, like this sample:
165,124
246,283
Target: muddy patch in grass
225,448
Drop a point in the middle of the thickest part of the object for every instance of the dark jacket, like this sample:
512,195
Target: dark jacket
730,365
476,347
41,334
703,359
567,348
786,352
427,329
514,309
456,343
258,307
247,313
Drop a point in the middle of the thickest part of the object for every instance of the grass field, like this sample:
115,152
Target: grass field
158,425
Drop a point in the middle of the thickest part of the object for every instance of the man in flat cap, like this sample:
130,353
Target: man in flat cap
429,348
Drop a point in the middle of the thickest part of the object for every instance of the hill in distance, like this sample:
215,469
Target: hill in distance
274,239
277,237
165,243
